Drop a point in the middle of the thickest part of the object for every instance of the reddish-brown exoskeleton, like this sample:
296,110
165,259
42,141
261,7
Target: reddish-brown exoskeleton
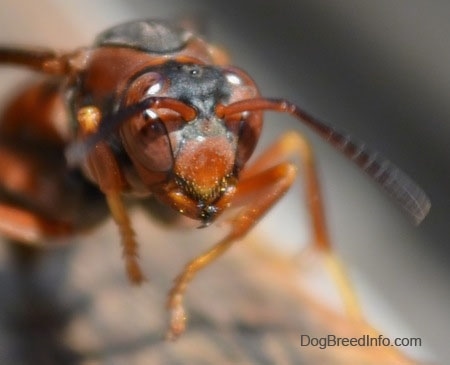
153,110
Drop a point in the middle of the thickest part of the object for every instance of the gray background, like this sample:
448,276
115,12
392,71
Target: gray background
380,70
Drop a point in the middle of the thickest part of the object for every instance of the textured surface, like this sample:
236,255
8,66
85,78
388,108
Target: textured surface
77,308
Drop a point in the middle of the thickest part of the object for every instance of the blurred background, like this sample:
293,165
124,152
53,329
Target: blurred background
379,70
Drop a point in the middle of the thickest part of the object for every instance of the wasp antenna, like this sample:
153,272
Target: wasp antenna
411,198
403,189
397,184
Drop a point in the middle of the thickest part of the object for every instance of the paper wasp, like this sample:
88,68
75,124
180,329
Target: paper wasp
152,111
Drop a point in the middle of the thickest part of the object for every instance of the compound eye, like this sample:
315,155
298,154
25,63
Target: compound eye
147,141
154,145
241,85
246,126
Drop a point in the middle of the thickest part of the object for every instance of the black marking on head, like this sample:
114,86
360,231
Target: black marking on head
198,85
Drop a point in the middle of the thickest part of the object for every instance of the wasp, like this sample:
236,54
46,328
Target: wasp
151,111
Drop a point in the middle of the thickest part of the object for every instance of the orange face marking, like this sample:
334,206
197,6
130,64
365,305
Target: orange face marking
204,165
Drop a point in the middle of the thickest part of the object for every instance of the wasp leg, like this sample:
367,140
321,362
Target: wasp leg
268,186
129,244
290,145
25,201
107,173
261,186
105,170
43,60
28,227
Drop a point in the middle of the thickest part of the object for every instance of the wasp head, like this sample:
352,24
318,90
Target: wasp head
200,158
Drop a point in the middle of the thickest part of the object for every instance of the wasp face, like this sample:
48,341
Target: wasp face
202,157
